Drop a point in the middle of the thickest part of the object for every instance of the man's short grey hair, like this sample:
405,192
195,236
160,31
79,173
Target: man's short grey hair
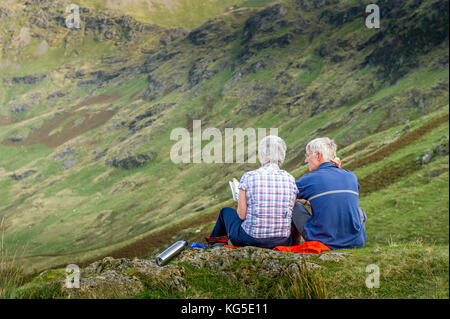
323,145
272,149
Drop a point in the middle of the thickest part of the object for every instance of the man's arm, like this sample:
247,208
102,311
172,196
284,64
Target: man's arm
242,205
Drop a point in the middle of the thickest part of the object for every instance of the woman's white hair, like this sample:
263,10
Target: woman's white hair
323,145
272,149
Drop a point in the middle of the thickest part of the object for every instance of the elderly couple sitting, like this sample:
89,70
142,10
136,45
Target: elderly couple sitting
271,209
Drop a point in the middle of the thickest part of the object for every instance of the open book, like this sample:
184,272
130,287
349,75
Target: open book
234,188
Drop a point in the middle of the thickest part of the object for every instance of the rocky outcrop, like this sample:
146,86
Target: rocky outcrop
200,72
106,27
122,277
157,59
149,116
69,163
263,20
171,35
310,5
134,161
19,108
338,18
28,79
397,54
262,102
159,86
207,33
127,278
267,22
441,149
262,262
65,154
23,175
56,94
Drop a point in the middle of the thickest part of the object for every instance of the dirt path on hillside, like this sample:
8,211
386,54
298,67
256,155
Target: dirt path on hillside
46,135
101,99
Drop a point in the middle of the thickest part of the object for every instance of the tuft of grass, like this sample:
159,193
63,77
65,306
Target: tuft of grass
305,283
50,290
11,274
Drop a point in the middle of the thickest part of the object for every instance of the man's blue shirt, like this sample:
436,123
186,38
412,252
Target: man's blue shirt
333,195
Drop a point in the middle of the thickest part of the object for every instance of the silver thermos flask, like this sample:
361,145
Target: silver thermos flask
164,257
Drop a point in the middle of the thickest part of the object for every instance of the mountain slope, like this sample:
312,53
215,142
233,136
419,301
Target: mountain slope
85,127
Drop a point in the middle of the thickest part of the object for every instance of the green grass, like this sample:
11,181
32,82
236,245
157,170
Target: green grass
308,76
256,3
406,271
14,158
410,204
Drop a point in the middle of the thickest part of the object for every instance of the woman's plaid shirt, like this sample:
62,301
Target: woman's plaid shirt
270,193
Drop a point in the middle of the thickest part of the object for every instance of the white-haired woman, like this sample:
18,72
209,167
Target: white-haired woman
266,199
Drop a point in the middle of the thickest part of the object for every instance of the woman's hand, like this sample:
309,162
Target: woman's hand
304,202
336,161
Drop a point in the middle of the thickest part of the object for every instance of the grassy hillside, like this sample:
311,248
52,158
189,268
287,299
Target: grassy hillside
85,167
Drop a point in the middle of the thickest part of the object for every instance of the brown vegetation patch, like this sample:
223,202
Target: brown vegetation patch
69,131
4,120
99,100
406,139
388,175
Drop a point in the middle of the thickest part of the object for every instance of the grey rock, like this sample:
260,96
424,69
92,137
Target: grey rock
69,163
332,256
170,275
262,19
19,108
28,79
262,102
131,162
199,72
107,284
68,152
172,35
264,262
434,173
426,158
56,94
23,175
114,59
207,33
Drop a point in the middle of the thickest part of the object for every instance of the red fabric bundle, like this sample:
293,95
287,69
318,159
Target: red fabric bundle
308,247
315,247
